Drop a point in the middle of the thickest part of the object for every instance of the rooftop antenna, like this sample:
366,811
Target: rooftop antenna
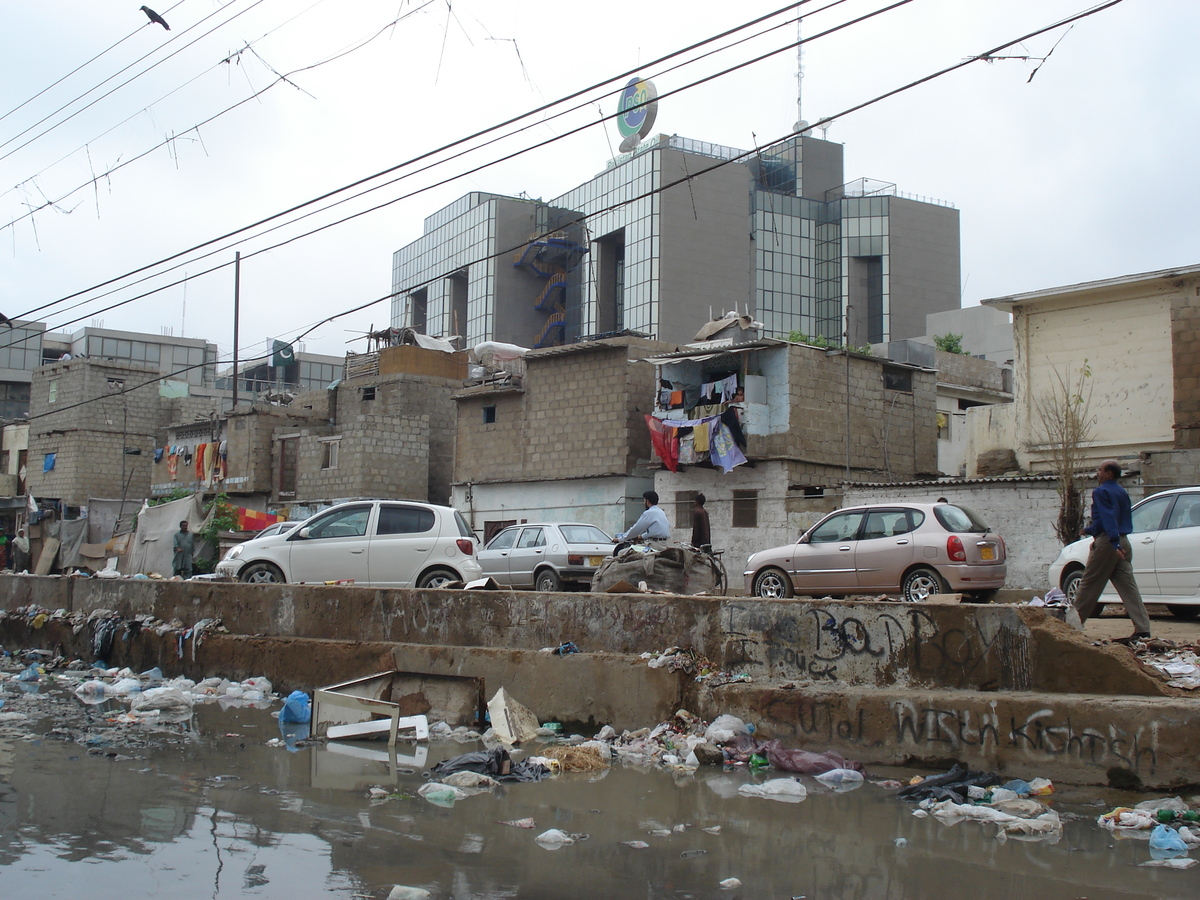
801,126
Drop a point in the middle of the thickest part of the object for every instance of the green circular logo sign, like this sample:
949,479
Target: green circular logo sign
637,108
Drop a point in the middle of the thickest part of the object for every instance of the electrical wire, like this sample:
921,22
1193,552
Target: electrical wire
419,158
717,165
591,124
81,66
127,119
129,80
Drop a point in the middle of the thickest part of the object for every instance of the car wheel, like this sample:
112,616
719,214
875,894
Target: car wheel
773,584
547,580
920,583
1070,584
436,578
1183,612
262,573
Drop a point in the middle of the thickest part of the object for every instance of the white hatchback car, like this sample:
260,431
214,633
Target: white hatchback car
546,556
1166,554
231,563
377,543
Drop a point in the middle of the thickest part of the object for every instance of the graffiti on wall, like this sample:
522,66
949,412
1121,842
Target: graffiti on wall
840,644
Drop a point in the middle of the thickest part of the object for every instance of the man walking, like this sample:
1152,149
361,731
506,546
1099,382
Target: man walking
1111,556
183,546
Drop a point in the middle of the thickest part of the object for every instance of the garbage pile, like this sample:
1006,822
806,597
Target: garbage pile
668,570
690,662
959,795
1178,663
106,626
1171,827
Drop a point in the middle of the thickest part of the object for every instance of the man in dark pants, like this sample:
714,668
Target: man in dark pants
1111,556
701,534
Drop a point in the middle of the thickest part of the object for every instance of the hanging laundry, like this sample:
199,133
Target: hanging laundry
676,399
730,420
729,388
700,436
158,454
725,453
665,440
200,461
222,470
173,465
687,449
210,464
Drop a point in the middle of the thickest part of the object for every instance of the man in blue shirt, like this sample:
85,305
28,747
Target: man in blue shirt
1111,556
652,524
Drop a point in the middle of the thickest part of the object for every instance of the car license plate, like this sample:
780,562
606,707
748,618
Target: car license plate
595,560
987,552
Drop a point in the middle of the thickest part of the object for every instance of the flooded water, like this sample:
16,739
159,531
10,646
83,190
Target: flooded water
208,810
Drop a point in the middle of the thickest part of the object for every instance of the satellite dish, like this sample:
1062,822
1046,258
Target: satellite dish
801,126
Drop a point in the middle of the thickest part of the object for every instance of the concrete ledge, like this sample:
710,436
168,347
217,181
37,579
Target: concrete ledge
1073,738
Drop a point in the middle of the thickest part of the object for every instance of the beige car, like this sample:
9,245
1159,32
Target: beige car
914,549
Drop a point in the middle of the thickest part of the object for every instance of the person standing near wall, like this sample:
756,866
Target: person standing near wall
701,534
1111,556
20,548
183,545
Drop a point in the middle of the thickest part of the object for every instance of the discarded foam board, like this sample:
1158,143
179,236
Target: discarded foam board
377,727
513,723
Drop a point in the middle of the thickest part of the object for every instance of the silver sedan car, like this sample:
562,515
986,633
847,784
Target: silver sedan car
914,549
546,556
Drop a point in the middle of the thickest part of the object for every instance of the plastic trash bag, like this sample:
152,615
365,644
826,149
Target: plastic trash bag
296,708
166,703
405,892
441,794
1165,843
495,762
555,839
787,790
724,728
841,779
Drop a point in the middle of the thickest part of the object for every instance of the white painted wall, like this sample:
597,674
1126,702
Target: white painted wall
611,503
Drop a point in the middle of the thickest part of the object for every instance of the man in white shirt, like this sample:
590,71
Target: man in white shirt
652,524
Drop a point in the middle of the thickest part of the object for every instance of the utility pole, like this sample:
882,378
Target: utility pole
237,296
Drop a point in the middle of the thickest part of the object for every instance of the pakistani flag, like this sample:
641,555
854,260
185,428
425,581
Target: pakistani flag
282,354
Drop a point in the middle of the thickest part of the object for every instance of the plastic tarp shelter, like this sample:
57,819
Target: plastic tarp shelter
151,550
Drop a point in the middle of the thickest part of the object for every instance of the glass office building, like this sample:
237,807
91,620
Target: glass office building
679,231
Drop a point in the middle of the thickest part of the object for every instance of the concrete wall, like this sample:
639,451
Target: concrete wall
924,267
611,503
986,332
1004,688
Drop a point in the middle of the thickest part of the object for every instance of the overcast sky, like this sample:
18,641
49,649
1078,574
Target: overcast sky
1084,173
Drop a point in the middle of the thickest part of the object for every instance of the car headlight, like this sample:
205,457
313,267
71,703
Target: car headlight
234,552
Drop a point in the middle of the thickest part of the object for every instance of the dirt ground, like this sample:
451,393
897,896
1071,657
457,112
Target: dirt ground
1113,623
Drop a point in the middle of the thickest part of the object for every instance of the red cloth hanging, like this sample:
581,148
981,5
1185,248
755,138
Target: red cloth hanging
665,440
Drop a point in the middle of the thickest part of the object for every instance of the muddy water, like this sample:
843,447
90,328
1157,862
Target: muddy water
207,810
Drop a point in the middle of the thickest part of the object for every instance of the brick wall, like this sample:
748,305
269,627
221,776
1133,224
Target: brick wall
1185,361
89,438
579,414
378,456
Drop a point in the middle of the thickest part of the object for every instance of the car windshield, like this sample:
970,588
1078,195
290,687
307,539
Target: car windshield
959,518
584,534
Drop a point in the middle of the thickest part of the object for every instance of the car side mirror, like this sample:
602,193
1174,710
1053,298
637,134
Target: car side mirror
302,533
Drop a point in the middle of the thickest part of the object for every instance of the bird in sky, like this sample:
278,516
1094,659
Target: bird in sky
155,17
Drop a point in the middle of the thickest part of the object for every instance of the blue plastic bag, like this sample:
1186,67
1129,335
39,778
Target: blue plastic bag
296,708
1019,787
1166,841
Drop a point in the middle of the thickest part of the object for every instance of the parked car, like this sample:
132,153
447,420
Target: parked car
233,556
916,549
379,543
1166,554
546,556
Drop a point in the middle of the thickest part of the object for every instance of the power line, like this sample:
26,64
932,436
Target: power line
79,67
123,83
423,156
719,164
471,171
124,121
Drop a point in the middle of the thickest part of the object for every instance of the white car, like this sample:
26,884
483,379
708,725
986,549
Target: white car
1166,554
377,543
